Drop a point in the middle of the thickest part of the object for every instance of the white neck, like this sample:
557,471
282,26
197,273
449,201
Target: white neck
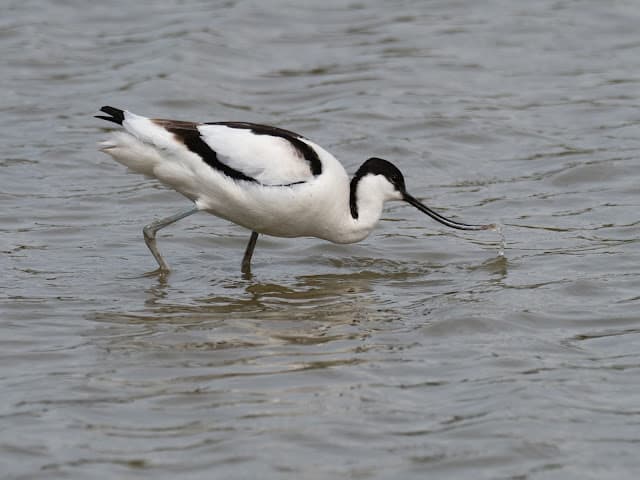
367,197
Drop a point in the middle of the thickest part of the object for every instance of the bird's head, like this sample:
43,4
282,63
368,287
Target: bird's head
391,184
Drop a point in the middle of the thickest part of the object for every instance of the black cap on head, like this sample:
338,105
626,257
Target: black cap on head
375,166
379,166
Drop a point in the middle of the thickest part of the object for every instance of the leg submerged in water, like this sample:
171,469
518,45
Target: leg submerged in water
248,253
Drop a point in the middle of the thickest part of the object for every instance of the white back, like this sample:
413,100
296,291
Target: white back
270,160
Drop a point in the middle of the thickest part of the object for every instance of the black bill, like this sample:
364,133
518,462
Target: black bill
445,221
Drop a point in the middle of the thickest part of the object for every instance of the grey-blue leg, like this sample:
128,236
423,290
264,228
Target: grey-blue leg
150,230
248,253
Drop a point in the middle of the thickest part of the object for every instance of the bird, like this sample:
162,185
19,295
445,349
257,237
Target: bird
267,179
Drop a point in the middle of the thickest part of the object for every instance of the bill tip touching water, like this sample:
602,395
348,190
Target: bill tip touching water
499,229
269,180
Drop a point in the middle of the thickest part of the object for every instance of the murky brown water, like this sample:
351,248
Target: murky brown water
418,353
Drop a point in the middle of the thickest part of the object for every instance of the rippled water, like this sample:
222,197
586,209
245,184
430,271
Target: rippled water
418,353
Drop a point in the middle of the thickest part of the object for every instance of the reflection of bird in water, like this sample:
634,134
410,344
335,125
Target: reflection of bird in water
269,180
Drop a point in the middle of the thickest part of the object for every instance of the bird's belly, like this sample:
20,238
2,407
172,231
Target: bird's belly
280,211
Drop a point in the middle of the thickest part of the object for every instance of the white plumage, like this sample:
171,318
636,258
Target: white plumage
270,160
269,180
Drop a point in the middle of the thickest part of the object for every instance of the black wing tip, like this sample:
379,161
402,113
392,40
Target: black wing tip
115,114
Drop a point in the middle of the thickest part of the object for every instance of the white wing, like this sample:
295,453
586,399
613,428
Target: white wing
242,151
269,155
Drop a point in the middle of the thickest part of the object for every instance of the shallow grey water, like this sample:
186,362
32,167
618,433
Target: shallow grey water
418,353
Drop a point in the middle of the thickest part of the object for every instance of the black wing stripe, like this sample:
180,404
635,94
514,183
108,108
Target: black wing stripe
190,136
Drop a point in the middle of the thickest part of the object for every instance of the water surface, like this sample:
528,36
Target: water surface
419,352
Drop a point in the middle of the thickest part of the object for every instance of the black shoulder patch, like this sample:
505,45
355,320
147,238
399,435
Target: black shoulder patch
305,150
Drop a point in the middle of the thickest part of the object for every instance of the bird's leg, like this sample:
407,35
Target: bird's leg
150,230
248,253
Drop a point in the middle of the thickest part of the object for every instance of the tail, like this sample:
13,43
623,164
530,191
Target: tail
116,115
